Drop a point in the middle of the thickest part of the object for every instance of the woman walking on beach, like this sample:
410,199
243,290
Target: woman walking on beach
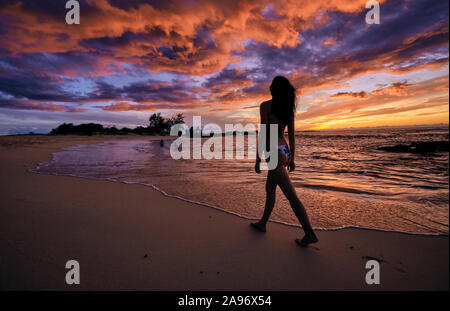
281,110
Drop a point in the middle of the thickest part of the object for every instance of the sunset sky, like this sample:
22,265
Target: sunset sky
129,58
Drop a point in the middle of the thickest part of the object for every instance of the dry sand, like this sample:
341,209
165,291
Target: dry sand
129,237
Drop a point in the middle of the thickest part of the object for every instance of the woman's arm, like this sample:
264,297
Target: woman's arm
291,134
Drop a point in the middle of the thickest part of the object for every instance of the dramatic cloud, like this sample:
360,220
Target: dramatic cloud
217,58
28,105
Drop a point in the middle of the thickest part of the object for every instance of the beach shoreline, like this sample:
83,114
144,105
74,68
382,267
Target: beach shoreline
129,236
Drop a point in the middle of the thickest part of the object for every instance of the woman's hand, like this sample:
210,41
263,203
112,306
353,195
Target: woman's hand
291,165
257,167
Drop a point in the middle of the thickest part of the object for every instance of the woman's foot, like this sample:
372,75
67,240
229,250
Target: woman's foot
307,239
259,226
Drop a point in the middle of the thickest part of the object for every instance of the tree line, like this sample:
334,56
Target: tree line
158,125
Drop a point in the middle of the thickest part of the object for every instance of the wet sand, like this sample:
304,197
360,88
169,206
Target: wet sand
129,237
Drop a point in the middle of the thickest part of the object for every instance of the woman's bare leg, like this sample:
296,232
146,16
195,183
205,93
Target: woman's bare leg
271,186
288,189
280,177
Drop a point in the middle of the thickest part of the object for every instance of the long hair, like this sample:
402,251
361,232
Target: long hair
283,99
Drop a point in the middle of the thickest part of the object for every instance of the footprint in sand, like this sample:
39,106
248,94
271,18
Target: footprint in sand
399,269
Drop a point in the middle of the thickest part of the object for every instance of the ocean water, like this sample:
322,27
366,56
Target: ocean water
341,177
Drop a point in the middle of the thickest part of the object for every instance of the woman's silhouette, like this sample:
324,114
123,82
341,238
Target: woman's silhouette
281,110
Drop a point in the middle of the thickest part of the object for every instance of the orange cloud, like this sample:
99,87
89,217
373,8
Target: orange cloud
330,41
362,94
396,89
230,24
